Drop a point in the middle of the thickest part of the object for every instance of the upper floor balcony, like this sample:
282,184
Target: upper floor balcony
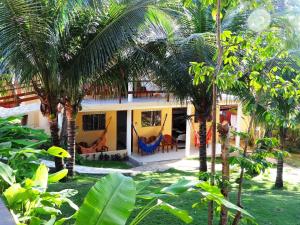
137,92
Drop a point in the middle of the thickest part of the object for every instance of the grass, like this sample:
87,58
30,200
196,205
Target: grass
105,164
267,205
293,159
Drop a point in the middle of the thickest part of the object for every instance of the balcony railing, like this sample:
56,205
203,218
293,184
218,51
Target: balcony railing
13,96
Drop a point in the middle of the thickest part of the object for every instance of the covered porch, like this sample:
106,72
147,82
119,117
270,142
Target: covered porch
160,156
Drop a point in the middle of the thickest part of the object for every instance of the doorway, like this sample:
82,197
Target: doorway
121,130
179,125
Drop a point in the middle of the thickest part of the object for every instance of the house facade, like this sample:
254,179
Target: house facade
138,113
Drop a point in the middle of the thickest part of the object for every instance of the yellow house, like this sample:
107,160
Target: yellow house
142,114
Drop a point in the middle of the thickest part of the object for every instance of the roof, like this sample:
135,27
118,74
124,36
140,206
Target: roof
19,110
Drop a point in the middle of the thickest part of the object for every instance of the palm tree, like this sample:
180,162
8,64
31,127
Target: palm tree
200,47
50,43
102,40
28,46
169,68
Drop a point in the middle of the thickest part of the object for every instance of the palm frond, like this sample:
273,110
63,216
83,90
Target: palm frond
120,29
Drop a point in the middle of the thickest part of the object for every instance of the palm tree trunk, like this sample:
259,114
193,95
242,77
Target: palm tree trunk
202,147
279,176
71,130
63,132
71,112
53,124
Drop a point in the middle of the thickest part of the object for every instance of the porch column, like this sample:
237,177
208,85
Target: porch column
130,89
238,124
188,132
129,132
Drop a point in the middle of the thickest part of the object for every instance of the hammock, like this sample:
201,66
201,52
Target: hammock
150,147
197,136
98,145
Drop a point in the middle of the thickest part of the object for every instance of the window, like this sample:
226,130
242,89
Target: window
93,122
151,118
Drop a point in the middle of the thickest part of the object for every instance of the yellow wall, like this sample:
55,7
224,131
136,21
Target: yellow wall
150,131
90,136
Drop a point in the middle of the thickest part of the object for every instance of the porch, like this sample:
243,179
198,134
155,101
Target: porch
139,159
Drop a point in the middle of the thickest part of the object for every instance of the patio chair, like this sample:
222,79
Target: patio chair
168,141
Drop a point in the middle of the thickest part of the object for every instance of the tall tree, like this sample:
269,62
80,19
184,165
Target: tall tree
58,45
93,44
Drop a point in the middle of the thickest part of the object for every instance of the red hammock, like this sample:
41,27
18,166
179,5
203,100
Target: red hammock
197,136
98,145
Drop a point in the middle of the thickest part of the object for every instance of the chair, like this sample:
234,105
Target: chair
168,141
151,139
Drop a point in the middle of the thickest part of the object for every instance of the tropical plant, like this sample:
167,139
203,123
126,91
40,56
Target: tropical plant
253,65
112,199
29,201
24,180
169,62
19,147
96,38
64,43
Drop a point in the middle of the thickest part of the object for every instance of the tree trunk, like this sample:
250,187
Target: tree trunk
71,112
225,135
71,145
214,108
53,124
279,179
241,179
279,176
202,147
64,132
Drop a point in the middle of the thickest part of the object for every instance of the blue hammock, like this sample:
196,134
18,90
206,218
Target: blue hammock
150,148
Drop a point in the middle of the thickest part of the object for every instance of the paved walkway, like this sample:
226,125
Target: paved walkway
291,174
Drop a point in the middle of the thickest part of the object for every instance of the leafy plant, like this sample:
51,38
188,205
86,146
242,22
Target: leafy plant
29,201
18,147
112,199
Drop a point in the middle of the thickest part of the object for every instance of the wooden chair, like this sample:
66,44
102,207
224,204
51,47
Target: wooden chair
168,141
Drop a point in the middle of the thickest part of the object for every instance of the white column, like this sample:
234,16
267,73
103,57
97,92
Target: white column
188,132
129,132
238,125
130,88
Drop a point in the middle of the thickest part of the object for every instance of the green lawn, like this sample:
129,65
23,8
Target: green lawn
105,164
269,206
293,159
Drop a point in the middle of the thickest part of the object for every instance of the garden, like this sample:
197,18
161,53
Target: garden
197,50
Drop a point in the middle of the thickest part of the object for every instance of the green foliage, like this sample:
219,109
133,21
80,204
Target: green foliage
58,152
6,173
18,147
30,202
20,136
24,180
256,162
109,202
